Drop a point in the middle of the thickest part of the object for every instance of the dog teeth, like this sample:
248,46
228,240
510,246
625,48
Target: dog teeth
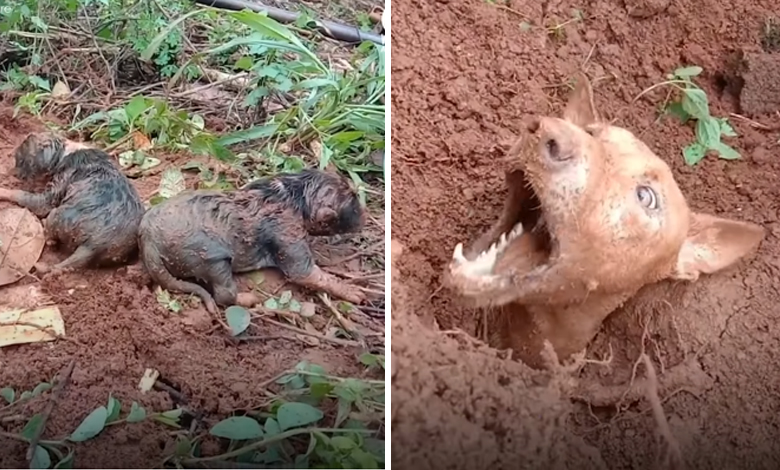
458,254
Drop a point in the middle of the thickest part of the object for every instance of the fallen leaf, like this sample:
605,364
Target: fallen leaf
21,326
140,141
148,380
21,243
60,90
171,183
308,309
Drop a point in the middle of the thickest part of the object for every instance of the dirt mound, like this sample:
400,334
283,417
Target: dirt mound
115,329
467,76
493,411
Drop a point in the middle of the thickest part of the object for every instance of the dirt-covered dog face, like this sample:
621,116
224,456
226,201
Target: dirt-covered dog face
41,154
325,199
591,208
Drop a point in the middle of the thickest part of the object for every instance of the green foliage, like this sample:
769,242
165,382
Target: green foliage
284,302
691,103
60,452
290,434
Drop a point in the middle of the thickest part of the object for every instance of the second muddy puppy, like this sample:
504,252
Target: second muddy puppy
206,236
90,208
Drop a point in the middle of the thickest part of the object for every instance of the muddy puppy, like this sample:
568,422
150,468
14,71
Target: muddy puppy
206,236
90,208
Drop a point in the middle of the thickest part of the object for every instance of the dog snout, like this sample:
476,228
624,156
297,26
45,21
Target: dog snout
553,139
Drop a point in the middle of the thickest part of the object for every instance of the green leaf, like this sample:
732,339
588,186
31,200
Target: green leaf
135,108
292,415
238,319
31,428
688,72
40,82
245,63
91,426
67,462
8,394
708,132
174,423
26,395
237,428
41,458
269,27
156,42
284,299
294,306
676,110
695,103
342,442
344,408
368,359
114,408
183,446
256,132
363,459
137,413
726,152
726,129
272,427
321,389
40,388
271,303
693,153
172,414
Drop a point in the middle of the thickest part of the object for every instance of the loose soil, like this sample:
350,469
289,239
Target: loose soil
467,76
115,329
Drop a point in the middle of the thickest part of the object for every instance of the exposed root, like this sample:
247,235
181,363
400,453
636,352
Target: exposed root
672,457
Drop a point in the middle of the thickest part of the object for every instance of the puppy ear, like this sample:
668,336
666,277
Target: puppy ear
713,244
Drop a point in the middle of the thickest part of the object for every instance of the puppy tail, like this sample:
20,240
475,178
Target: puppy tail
155,266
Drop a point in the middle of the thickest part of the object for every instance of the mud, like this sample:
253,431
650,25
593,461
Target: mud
115,329
209,235
467,78
761,89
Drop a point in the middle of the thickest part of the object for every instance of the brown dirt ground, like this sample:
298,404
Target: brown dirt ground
467,75
116,329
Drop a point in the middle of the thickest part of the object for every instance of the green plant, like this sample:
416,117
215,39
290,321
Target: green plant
688,102
61,452
154,119
340,113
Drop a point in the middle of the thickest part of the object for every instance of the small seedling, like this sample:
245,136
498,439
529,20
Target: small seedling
284,302
165,299
688,102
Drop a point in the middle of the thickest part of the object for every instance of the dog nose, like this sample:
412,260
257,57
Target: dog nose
553,140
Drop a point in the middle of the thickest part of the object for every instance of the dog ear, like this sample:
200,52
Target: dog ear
581,109
713,244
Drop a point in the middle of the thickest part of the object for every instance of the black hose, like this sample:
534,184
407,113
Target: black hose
328,28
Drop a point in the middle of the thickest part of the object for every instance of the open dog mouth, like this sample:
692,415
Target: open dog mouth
523,233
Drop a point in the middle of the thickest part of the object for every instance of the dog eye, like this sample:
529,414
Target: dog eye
647,197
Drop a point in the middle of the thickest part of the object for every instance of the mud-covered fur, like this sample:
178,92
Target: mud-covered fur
90,208
206,236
